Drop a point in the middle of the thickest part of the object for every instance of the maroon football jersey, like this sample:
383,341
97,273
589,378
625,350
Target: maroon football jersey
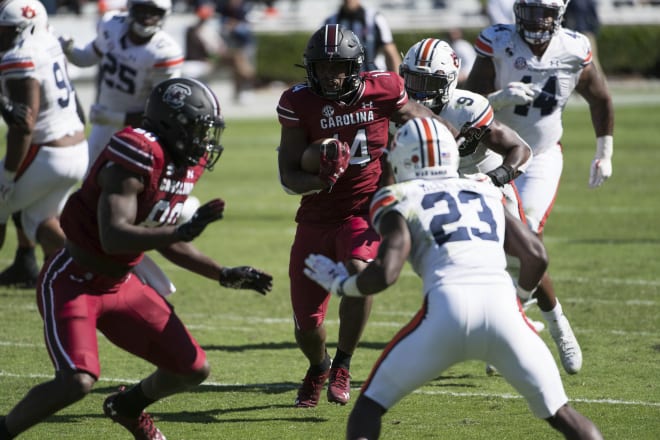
161,202
363,123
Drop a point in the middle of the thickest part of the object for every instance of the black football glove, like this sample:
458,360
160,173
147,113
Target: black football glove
13,113
205,214
501,175
246,277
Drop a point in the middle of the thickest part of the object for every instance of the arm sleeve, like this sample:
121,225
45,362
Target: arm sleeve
84,56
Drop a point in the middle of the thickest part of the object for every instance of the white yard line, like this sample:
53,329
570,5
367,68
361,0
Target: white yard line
267,386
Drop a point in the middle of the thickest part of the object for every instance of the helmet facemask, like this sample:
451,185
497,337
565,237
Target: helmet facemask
537,22
347,84
334,44
430,72
430,89
9,36
146,19
185,115
204,141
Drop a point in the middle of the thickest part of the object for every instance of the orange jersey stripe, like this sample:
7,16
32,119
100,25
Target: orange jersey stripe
17,65
483,47
168,63
380,203
486,118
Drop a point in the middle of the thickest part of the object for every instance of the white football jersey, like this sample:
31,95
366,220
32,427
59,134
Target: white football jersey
456,226
472,114
40,56
554,76
128,72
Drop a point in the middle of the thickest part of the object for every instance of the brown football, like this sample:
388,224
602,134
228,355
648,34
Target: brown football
311,157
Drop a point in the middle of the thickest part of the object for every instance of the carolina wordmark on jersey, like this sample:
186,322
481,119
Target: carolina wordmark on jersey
456,226
362,123
40,57
160,203
554,76
128,72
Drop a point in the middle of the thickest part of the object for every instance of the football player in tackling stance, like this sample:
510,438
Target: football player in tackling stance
452,230
128,204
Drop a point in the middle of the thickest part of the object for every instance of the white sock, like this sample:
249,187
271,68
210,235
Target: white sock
554,314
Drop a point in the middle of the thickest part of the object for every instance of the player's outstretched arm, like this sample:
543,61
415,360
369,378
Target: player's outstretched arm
593,88
187,256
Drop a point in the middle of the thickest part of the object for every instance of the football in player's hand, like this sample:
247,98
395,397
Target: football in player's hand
189,207
311,157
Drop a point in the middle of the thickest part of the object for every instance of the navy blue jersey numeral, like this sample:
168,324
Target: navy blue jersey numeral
546,101
441,223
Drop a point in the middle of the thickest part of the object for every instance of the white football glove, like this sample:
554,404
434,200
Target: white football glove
6,185
326,273
515,93
66,42
478,177
601,166
102,115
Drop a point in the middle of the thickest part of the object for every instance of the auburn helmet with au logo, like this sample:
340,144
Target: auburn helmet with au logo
430,72
18,20
423,148
185,115
336,44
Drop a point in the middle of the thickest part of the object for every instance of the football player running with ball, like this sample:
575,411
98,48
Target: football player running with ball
528,71
128,204
337,101
454,231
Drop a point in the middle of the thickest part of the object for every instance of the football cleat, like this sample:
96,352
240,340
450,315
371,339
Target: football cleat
339,386
491,370
22,273
310,390
567,344
141,427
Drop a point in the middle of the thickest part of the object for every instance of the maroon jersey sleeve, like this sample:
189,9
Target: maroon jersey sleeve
160,203
135,150
362,123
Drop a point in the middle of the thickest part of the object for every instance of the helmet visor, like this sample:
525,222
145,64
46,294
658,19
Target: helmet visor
206,139
421,86
538,18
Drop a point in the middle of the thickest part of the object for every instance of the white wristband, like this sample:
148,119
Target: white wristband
349,287
8,176
604,147
524,294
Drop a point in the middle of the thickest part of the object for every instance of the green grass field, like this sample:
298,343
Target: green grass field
604,247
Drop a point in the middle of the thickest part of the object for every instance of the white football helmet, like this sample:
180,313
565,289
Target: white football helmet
423,148
18,20
430,72
538,20
136,18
